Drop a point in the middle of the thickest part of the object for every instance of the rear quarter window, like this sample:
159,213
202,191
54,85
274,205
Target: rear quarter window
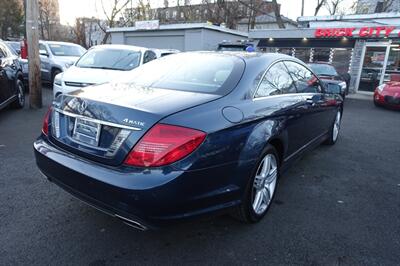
276,81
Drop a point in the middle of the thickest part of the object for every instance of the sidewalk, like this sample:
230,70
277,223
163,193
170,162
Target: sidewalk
361,96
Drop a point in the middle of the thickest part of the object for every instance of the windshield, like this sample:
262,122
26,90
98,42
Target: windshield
16,46
196,72
324,69
66,50
106,58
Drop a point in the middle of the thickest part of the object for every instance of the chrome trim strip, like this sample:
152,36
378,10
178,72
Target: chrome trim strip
8,101
132,223
96,120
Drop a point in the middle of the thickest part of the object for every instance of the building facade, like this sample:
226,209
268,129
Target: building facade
239,15
93,33
365,46
183,37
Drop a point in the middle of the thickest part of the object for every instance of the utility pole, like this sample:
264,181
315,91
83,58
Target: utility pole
32,34
302,7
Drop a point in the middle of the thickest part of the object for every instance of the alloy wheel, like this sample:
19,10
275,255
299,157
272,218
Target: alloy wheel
21,98
264,184
336,127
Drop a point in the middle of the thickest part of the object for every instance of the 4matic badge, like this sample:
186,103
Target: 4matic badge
133,122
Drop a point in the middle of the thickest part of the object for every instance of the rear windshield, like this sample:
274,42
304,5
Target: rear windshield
196,72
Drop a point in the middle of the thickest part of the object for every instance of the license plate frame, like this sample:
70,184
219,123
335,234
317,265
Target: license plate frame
86,132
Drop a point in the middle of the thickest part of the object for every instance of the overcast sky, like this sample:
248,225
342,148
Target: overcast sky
71,9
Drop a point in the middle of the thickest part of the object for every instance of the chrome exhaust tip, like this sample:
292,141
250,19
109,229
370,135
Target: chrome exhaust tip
132,223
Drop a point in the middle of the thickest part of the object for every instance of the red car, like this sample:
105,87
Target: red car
388,94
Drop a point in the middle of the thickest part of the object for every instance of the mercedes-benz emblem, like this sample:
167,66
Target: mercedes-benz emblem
82,107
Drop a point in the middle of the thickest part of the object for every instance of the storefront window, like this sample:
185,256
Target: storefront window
303,54
393,63
372,70
287,51
321,54
341,59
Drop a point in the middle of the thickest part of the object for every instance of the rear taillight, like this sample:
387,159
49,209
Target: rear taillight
45,127
164,144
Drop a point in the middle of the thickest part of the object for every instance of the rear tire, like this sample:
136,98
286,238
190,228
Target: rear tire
335,129
20,101
261,188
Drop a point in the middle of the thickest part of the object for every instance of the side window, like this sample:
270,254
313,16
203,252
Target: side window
42,47
305,80
149,56
276,81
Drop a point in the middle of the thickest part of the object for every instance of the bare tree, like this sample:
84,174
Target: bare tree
47,17
387,5
80,32
255,9
11,17
111,12
320,3
333,6
278,17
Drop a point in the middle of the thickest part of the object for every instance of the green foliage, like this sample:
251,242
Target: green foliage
11,18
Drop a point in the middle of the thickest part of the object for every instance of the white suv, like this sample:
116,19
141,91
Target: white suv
101,64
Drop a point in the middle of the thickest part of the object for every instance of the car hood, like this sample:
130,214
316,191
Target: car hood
66,59
90,75
331,79
392,86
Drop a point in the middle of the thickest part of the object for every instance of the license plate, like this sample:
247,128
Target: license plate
87,132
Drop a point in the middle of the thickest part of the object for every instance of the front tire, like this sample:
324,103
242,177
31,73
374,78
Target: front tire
261,188
53,76
335,129
20,101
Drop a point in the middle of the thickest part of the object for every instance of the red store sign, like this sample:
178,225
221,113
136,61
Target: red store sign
380,31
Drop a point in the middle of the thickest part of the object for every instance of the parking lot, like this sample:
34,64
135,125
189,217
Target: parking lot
339,205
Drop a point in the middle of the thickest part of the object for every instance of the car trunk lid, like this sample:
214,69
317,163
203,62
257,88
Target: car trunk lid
103,123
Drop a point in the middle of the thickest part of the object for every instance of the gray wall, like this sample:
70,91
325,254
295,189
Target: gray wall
212,38
183,39
156,39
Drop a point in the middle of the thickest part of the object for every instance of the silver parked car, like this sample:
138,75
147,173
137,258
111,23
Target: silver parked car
56,57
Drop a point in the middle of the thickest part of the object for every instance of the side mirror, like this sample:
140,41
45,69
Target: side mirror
333,88
43,52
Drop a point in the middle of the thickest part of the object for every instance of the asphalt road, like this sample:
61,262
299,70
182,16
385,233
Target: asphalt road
339,205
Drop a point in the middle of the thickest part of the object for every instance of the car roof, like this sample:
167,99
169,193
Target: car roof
121,46
53,42
253,56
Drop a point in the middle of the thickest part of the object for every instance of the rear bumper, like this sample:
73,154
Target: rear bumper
151,198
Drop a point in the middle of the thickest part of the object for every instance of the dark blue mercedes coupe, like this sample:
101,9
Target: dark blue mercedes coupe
187,135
